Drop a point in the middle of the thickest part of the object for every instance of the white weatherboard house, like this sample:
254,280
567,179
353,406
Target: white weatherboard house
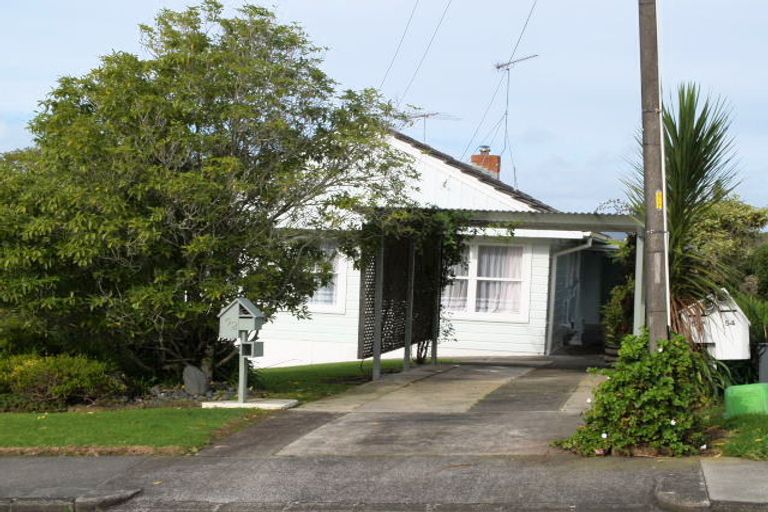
527,294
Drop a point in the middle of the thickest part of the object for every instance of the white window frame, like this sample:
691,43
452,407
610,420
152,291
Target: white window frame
523,316
339,306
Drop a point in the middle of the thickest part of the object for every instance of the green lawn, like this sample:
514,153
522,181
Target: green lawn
747,437
182,428
312,382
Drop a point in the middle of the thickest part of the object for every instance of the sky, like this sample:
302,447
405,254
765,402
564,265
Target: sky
573,111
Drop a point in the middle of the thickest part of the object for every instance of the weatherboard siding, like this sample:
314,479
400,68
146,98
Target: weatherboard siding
323,338
331,337
481,337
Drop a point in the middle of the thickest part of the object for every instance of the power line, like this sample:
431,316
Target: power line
506,117
493,131
501,80
482,119
399,44
507,67
426,50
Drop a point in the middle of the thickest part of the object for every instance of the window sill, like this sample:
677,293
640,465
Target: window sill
327,310
522,318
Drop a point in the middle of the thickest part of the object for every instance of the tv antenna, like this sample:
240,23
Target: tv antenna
511,63
506,67
425,116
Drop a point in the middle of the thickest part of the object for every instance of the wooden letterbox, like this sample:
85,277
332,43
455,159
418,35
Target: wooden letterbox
239,315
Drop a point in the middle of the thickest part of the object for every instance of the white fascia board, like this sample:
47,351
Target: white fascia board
532,233
541,233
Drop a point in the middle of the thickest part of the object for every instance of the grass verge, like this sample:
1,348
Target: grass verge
133,431
743,436
746,437
313,382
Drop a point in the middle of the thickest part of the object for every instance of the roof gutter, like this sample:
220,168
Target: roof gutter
553,286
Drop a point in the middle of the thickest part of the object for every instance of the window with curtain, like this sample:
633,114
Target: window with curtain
490,283
455,294
499,279
327,295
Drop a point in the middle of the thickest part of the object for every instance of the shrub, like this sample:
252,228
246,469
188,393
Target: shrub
649,403
61,379
16,403
759,267
5,373
618,313
756,310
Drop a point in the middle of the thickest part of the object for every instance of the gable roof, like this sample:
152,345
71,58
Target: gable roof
476,173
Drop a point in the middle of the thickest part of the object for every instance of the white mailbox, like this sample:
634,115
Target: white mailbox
240,315
725,330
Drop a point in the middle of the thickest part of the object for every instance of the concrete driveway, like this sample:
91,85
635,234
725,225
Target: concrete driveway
471,409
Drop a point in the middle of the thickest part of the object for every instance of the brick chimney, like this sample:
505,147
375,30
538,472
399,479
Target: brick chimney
491,164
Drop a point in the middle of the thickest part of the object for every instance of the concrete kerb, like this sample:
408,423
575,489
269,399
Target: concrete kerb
682,493
84,500
693,492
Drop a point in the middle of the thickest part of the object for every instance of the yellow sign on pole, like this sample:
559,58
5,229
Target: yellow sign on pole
659,200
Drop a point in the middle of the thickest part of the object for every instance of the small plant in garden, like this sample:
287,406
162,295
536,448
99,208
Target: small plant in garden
649,403
617,314
33,382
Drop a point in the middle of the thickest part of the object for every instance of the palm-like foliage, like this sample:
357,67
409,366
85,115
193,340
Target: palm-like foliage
700,174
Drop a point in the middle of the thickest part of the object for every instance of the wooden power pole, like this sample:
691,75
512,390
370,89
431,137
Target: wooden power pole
656,280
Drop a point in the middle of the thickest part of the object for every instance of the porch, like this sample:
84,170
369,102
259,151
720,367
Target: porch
573,320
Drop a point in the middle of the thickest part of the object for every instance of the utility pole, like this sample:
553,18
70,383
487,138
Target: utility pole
656,279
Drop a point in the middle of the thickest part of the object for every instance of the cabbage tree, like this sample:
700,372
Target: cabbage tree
700,174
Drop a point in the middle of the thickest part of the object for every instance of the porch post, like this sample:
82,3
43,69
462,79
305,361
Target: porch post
377,310
551,303
639,307
438,297
409,305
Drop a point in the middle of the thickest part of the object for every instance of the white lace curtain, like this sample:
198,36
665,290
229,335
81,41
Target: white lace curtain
497,282
500,262
326,295
455,295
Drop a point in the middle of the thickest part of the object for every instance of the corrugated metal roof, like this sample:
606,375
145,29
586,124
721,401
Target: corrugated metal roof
584,214
586,221
475,172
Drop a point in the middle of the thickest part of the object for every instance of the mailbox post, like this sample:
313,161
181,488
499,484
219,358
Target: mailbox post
236,321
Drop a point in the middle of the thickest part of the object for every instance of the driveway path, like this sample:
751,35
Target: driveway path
466,410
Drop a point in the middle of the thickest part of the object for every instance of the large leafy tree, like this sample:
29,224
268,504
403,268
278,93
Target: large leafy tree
709,228
730,232
161,187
